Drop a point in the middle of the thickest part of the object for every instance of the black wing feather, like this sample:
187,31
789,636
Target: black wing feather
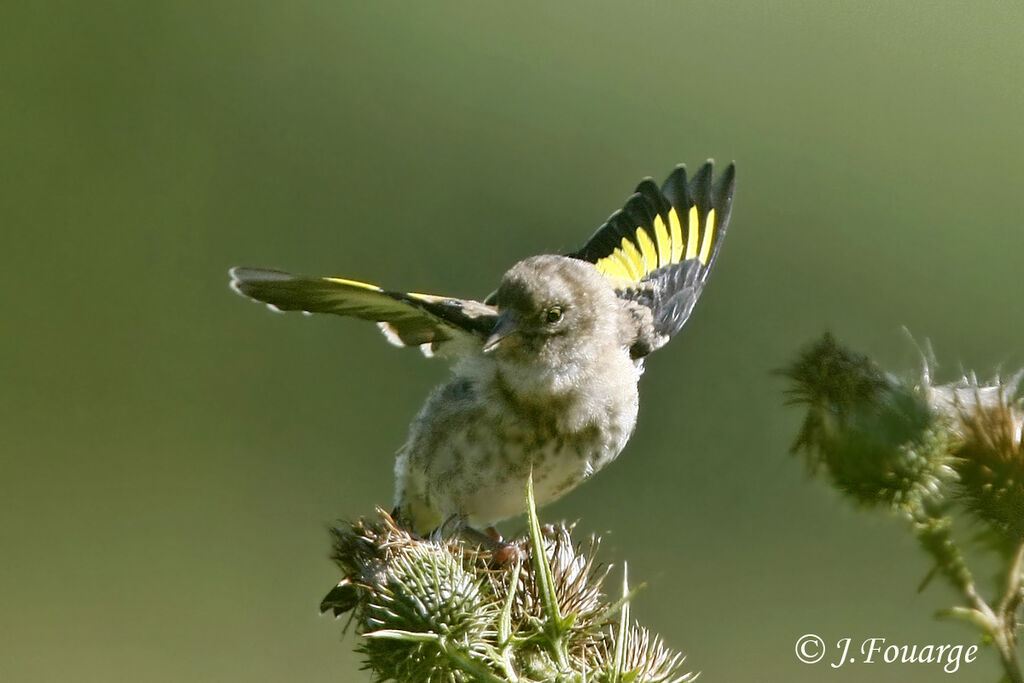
431,322
660,247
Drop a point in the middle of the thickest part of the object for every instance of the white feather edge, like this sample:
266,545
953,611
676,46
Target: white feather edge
386,328
235,287
427,349
390,334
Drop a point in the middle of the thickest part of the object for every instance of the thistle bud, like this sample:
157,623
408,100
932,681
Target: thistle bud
875,435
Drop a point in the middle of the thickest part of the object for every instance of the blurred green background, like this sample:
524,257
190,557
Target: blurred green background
172,454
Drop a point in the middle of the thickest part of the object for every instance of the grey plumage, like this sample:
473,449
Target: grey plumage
545,371
560,397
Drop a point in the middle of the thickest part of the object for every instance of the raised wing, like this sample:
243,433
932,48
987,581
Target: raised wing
437,325
659,248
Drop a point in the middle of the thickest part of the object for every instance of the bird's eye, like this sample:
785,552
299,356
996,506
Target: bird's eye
553,314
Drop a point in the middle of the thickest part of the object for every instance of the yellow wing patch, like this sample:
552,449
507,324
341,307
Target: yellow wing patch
677,236
354,283
648,251
709,235
664,242
692,238
661,244
633,259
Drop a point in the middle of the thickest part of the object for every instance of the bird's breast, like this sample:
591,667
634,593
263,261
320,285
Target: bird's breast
563,438
476,442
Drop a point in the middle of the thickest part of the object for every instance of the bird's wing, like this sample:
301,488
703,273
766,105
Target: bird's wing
437,325
659,248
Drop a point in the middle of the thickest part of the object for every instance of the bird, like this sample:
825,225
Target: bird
545,370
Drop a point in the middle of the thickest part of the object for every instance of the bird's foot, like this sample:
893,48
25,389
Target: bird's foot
502,553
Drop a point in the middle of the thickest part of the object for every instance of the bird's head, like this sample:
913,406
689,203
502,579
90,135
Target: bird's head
553,310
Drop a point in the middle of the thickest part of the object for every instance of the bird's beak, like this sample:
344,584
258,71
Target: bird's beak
507,324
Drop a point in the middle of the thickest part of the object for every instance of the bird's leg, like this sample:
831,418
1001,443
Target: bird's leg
452,526
502,553
489,539
483,539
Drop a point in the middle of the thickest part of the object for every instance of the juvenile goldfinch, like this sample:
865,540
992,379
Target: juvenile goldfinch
545,370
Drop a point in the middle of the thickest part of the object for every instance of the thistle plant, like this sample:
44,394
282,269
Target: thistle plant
444,609
932,455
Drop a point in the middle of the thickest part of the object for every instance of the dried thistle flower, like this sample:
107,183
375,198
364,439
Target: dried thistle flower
441,610
990,456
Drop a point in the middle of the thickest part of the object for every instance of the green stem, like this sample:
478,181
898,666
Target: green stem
999,624
556,626
620,642
1014,594
505,623
1005,627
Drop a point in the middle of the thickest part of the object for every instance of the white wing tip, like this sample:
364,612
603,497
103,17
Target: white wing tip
390,333
235,285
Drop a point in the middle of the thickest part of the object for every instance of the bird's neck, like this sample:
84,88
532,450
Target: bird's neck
533,382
